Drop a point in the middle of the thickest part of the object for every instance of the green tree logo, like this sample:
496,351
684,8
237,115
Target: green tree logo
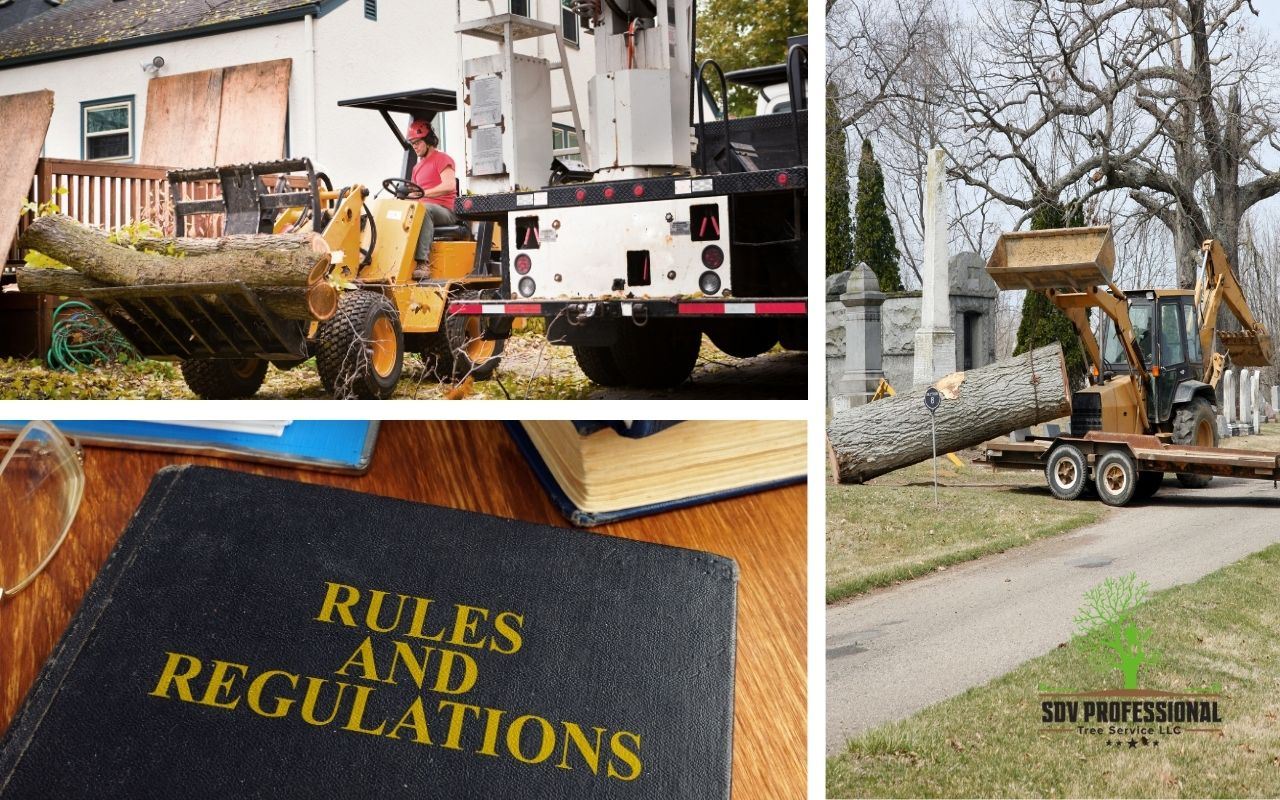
1110,635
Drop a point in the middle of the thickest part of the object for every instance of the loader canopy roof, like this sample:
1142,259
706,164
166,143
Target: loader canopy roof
418,104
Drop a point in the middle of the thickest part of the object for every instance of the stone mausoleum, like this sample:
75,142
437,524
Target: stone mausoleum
871,334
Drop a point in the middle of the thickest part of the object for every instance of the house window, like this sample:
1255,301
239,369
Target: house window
569,22
107,129
563,137
568,19
371,9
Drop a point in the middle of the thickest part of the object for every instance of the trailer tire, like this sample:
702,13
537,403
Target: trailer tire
1148,484
458,350
598,365
1194,423
1116,477
742,338
659,355
360,350
1066,472
224,378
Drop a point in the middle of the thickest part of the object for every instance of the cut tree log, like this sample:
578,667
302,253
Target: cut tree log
266,260
977,405
318,301
239,243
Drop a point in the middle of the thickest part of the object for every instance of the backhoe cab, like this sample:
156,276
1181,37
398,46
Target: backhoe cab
1155,368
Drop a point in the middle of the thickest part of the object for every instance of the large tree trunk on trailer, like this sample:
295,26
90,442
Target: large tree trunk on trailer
316,302
254,260
977,405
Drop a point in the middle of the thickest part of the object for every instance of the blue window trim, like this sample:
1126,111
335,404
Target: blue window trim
131,99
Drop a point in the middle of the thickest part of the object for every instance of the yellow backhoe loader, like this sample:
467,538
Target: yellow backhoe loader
1153,370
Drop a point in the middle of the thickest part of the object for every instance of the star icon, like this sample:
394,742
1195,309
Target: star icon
1133,743
1108,743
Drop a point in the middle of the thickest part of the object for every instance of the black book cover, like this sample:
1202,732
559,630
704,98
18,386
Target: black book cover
253,637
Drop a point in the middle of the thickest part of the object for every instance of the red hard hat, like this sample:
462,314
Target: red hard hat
418,129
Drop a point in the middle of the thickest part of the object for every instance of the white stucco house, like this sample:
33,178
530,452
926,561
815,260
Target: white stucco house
98,57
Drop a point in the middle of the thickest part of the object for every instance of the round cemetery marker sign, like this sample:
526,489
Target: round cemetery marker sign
932,399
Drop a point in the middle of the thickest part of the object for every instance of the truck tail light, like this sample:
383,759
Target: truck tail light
523,263
712,257
527,287
709,283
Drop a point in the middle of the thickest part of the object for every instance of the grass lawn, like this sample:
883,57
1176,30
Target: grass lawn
888,529
530,368
988,742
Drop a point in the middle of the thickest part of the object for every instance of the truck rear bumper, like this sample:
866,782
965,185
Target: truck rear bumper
633,309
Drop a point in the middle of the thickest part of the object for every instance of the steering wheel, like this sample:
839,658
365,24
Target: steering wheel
402,189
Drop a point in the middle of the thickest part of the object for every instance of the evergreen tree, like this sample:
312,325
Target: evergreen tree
839,222
873,240
1042,321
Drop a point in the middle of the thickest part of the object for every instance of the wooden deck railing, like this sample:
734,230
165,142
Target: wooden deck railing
104,195
108,195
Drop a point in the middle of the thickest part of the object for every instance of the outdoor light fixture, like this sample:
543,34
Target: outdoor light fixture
153,66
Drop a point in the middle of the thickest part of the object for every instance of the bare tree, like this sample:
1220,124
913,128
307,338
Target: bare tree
1172,103
889,60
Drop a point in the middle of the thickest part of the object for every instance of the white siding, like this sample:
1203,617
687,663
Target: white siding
118,73
407,48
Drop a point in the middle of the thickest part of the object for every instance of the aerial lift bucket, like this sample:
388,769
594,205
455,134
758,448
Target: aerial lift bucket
1061,258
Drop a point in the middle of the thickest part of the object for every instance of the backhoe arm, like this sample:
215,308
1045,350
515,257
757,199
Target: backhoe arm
1217,284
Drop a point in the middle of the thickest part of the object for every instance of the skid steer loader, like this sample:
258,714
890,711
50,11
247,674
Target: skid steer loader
1156,366
225,337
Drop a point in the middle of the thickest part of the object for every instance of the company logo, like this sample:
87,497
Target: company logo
1121,651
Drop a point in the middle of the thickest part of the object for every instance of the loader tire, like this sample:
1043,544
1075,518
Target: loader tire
742,338
224,378
360,349
597,364
1194,423
658,355
458,350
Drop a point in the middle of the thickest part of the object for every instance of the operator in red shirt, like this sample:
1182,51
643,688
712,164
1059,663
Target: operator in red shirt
436,174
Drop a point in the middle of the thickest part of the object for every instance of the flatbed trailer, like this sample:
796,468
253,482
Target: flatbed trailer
1124,467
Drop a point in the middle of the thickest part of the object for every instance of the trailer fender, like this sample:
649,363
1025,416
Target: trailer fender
1190,389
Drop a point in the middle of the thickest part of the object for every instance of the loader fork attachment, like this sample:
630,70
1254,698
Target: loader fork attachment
248,197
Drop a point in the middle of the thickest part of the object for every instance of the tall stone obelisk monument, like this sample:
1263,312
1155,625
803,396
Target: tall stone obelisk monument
935,338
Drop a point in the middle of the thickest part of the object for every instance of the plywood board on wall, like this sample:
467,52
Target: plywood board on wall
24,121
181,128
255,105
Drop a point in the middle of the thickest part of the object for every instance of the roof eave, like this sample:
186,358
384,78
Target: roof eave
317,8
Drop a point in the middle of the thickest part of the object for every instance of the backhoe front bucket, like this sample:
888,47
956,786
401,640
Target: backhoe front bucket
1060,258
1247,348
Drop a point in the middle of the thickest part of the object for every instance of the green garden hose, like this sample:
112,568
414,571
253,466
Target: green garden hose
81,337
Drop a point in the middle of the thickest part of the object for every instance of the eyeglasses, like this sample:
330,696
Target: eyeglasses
41,485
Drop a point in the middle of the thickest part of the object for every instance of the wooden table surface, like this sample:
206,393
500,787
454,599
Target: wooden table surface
474,465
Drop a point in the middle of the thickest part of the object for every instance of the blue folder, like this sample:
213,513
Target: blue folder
330,445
